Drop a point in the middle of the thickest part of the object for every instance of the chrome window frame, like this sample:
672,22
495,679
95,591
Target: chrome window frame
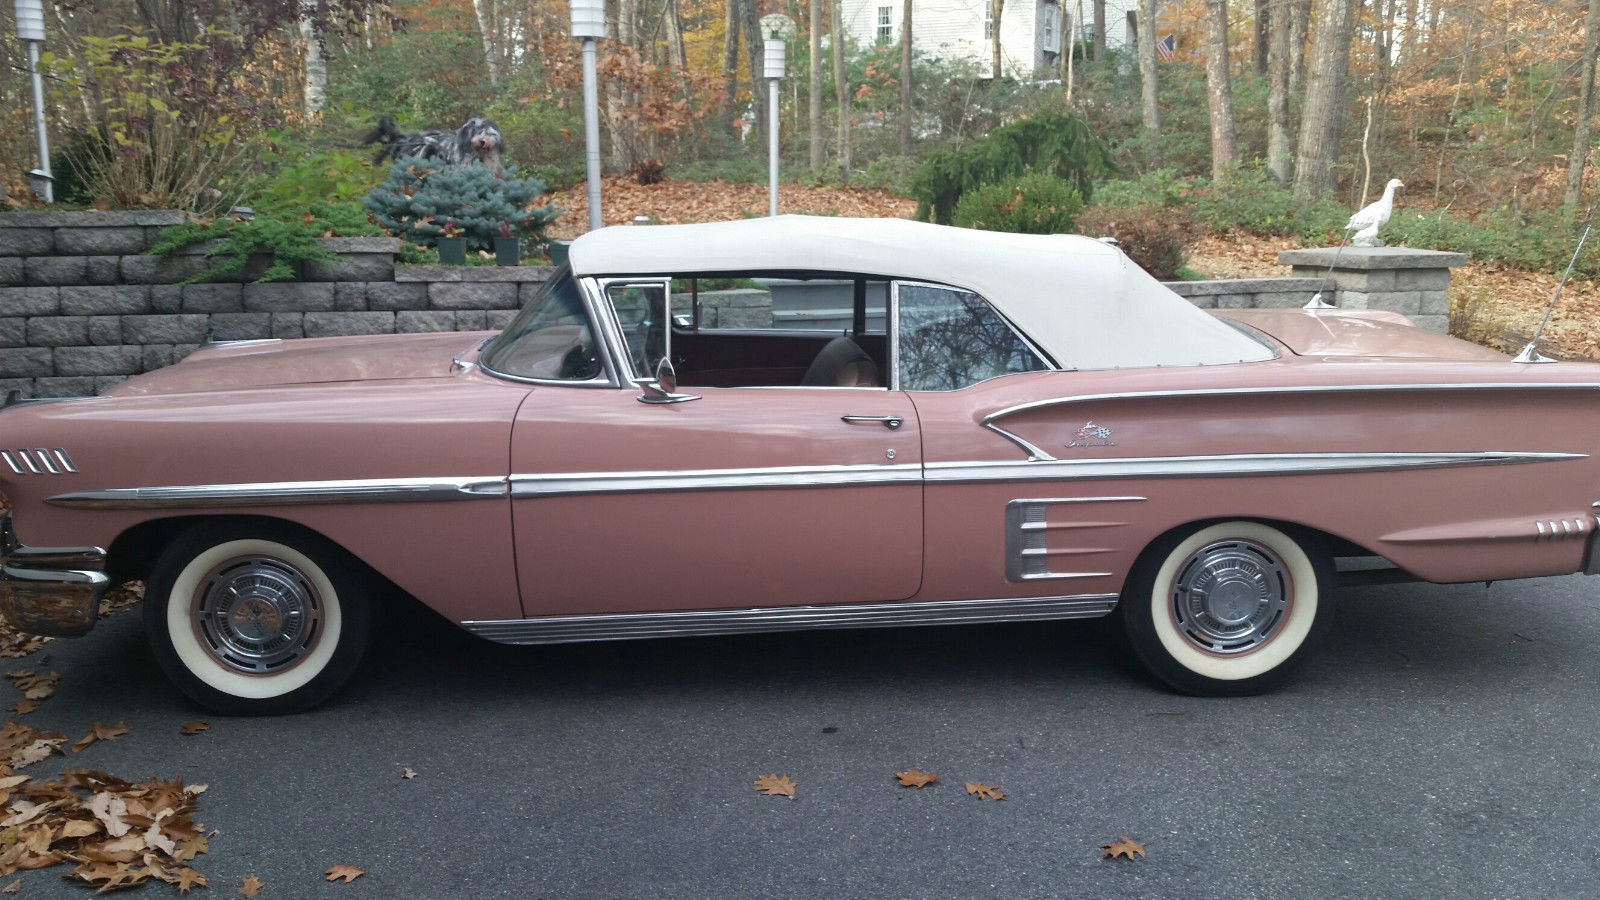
1050,365
608,371
598,293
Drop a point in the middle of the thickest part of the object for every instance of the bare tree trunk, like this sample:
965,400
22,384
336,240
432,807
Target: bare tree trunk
841,89
1580,136
755,54
1263,41
1149,95
998,6
814,89
1318,148
1278,157
905,78
1219,93
1099,31
730,56
674,18
1067,42
316,68
1408,31
491,58
1299,23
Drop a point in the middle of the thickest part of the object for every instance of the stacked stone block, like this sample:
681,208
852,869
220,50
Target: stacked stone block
1248,293
1399,279
83,305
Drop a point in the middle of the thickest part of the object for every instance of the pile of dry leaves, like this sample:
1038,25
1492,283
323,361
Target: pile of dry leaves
117,833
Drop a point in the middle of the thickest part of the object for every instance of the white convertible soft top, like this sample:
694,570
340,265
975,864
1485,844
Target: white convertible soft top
1082,301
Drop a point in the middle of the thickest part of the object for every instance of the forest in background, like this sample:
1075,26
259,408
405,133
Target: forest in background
1478,105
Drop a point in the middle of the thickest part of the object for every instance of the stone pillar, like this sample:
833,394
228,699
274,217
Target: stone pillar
1413,282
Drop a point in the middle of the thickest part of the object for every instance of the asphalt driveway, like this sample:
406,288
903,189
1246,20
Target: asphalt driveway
1443,744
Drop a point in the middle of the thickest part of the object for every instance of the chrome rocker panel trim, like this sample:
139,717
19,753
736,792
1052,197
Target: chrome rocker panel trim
628,626
289,493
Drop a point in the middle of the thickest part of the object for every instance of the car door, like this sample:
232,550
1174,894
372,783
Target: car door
723,498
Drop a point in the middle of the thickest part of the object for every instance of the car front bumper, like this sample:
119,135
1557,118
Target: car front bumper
52,591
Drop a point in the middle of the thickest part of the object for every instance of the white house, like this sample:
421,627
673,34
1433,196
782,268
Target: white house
1030,36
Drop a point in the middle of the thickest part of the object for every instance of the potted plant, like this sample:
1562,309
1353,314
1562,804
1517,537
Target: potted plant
507,247
451,245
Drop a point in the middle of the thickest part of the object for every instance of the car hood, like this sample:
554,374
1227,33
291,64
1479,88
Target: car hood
1356,333
250,364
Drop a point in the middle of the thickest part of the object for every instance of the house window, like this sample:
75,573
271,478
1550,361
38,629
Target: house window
1050,27
988,20
885,24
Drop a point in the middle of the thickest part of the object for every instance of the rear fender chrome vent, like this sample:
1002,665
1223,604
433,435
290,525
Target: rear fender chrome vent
1556,529
39,461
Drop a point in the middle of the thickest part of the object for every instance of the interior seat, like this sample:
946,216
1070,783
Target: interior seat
841,363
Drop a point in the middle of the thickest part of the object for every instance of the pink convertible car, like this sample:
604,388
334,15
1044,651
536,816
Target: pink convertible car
814,423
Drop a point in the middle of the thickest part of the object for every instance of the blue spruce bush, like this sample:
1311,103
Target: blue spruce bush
422,196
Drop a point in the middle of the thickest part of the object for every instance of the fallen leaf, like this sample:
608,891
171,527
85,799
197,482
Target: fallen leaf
11,781
407,773
1124,848
251,886
194,790
191,848
155,840
100,732
110,809
35,687
189,878
24,707
985,791
913,778
776,785
110,876
195,727
348,873
12,888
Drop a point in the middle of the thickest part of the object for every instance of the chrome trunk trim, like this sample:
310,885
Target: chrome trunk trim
627,626
1217,466
1035,453
288,493
773,477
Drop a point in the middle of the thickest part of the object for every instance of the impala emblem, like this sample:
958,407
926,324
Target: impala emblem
1092,435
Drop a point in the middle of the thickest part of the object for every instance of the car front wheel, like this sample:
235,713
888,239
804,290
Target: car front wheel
256,619
1227,609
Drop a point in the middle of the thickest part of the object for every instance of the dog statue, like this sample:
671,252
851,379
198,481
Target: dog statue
477,142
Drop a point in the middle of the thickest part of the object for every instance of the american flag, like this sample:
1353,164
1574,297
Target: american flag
1167,47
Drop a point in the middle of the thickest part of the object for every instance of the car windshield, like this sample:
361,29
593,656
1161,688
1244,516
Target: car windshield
550,339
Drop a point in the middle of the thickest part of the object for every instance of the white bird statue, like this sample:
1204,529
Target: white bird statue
1366,223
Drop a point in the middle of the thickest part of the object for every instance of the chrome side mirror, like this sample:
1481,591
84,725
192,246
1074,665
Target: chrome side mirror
663,388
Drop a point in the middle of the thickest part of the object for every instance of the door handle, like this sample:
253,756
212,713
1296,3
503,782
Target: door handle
889,422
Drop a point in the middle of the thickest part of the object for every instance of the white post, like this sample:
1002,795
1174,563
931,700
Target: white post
589,23
30,29
774,71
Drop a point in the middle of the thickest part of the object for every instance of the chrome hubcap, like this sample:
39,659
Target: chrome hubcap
1231,597
257,615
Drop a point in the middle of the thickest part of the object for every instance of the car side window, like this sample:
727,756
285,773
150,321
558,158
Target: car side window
550,339
949,339
642,311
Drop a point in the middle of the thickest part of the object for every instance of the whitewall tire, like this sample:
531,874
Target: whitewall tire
1229,608
255,618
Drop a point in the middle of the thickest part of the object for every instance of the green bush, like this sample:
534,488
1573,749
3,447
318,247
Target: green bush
1155,237
1036,203
291,243
1252,202
421,198
1051,143
890,173
333,176
1162,187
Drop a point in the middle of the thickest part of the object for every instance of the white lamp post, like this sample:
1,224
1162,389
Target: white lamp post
30,30
588,24
774,67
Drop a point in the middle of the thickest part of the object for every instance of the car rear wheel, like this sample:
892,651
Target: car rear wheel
1229,608
255,619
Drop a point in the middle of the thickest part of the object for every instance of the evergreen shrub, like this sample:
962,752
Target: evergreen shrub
1037,203
420,198
1049,143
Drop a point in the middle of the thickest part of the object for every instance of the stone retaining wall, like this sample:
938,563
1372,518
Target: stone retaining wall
83,306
